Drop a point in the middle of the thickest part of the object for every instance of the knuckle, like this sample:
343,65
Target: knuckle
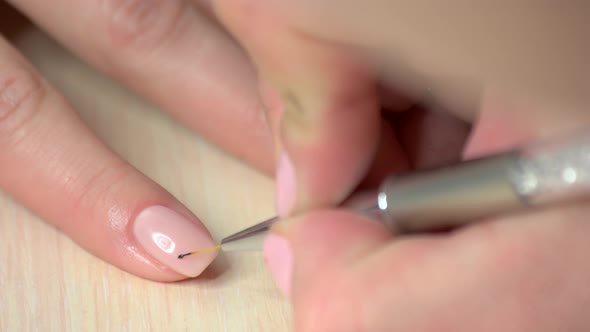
141,24
96,189
22,93
99,185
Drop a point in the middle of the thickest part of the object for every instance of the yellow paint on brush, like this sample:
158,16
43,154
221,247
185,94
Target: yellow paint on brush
200,251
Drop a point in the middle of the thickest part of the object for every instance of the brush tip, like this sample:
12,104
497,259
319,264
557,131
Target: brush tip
200,251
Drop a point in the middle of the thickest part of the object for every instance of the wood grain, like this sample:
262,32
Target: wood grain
47,283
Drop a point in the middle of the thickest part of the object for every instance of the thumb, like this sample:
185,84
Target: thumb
300,250
329,129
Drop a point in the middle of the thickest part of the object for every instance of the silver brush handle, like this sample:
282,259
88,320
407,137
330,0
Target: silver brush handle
471,191
539,175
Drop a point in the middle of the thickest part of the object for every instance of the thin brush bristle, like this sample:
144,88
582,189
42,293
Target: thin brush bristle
200,251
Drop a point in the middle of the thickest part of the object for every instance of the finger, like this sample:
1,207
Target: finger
432,45
346,275
330,262
329,128
505,123
174,56
52,163
431,137
391,158
303,247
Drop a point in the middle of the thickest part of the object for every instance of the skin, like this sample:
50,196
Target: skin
167,51
527,80
176,55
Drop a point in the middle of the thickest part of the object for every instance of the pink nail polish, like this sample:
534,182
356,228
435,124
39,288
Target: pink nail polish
285,186
165,234
279,258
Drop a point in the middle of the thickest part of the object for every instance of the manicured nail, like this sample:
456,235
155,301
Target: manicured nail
165,234
285,190
279,258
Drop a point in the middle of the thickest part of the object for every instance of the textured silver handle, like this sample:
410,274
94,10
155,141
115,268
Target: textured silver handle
554,172
542,174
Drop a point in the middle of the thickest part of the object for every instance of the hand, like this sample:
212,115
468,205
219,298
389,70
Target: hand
172,54
504,70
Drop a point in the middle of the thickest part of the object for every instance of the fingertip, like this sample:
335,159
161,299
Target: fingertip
286,186
331,140
165,234
327,237
298,248
498,128
390,158
278,256
327,123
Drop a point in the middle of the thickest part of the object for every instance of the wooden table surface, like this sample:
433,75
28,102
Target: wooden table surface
48,283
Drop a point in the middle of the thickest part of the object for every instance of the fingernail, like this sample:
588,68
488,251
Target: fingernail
285,186
165,234
279,258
